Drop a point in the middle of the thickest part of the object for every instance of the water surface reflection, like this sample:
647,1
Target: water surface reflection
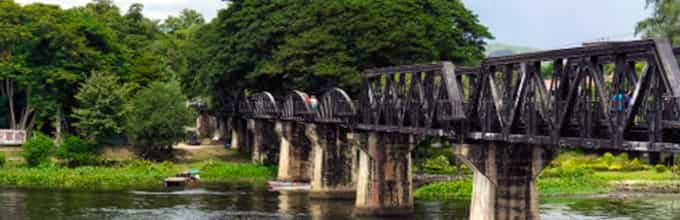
245,201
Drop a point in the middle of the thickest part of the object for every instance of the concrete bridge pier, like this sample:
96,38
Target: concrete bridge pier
331,162
504,181
264,145
294,152
384,186
241,136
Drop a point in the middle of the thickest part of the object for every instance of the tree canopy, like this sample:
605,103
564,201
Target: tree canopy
313,45
47,53
664,22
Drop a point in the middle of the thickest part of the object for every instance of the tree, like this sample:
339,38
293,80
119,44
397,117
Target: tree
313,45
186,19
664,22
99,114
156,118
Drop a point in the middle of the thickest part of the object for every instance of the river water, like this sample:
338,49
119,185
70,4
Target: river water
244,201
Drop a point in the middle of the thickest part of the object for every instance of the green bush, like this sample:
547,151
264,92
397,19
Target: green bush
37,150
635,165
675,169
660,168
77,152
3,160
437,163
607,158
616,166
156,117
99,115
601,166
571,173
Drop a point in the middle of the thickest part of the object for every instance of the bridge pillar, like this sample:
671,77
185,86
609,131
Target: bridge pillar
241,136
504,181
384,186
235,129
294,153
331,162
264,142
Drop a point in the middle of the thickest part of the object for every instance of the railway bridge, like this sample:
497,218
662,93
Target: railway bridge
503,118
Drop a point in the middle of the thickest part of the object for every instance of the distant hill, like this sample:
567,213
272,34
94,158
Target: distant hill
499,49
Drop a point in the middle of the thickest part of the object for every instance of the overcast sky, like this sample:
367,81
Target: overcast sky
541,24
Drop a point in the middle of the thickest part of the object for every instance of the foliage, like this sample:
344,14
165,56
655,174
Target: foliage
675,169
156,117
279,45
138,174
3,159
607,162
452,189
46,53
663,21
660,168
37,149
100,112
77,152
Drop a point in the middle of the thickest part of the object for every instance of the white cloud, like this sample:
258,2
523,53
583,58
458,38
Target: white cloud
155,9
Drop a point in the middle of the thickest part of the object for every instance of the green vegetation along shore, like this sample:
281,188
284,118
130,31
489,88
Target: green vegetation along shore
136,174
574,174
215,165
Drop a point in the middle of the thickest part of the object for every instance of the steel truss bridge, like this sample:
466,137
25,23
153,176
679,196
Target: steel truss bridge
508,99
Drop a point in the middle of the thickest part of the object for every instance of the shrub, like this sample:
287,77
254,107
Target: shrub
571,173
3,160
660,168
100,112
675,169
635,165
76,151
156,117
616,166
37,149
601,166
437,163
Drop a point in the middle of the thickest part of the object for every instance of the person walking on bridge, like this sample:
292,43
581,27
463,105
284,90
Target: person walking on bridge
621,101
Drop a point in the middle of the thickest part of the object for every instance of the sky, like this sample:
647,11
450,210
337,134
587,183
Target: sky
549,24
541,24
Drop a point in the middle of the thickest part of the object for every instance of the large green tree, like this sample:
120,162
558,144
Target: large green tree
46,53
664,21
312,45
99,114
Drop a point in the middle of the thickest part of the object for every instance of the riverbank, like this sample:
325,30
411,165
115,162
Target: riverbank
576,174
123,171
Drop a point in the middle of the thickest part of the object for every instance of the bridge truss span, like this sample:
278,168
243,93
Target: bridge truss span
615,95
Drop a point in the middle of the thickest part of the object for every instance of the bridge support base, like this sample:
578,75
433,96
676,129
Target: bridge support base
384,185
241,136
504,182
264,140
331,162
294,153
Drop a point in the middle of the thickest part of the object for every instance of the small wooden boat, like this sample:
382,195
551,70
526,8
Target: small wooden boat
187,179
288,186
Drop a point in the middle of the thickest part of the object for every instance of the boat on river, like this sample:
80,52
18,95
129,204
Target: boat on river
288,186
187,179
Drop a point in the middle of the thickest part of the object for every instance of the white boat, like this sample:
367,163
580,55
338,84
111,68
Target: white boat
288,186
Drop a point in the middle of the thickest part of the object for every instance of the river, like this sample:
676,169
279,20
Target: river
245,201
